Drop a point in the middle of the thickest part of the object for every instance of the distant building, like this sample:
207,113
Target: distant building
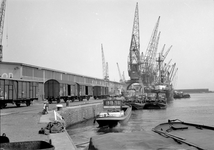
194,90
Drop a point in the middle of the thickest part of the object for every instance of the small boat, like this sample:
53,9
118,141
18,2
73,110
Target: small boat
198,136
150,104
114,112
180,94
155,100
138,105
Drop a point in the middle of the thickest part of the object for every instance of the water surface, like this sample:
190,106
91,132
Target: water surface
197,109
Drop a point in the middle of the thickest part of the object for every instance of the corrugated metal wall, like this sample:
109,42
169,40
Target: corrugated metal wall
38,73
27,71
65,77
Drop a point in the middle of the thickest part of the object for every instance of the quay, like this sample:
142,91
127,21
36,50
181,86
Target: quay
25,125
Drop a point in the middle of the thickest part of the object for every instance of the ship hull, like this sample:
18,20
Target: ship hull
113,121
196,135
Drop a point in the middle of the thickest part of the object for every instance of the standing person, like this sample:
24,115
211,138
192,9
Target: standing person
45,107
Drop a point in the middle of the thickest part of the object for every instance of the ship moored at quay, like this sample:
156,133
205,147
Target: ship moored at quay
86,98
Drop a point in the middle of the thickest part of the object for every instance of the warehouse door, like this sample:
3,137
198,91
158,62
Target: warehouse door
69,90
86,90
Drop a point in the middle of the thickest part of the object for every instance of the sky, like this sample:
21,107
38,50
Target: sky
66,35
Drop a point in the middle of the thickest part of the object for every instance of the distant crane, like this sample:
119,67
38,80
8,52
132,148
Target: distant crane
124,80
151,49
2,15
166,53
172,72
121,79
107,72
105,66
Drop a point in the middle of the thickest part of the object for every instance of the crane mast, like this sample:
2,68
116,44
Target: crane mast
124,80
103,62
148,68
2,16
154,54
107,72
104,65
134,51
121,79
151,48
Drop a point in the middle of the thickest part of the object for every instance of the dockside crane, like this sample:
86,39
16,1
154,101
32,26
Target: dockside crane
104,65
2,16
153,61
166,53
121,79
166,68
124,79
107,72
148,57
161,53
134,51
161,58
148,69
171,72
173,76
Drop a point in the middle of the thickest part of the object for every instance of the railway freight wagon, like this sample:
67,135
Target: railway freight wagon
55,90
85,91
100,92
17,91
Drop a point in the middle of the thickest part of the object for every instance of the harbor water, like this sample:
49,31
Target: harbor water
197,109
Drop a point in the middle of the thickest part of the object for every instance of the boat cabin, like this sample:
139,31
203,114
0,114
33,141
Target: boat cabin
112,104
156,95
113,108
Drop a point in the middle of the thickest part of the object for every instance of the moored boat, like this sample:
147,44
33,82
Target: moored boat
114,112
137,102
138,105
155,100
180,94
196,135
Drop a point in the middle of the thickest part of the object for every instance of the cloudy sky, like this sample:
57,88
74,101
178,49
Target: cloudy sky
67,35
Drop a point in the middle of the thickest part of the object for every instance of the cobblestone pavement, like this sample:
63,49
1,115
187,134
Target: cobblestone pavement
23,126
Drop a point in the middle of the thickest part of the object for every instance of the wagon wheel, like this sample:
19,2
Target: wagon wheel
18,104
88,98
27,103
58,100
3,105
79,98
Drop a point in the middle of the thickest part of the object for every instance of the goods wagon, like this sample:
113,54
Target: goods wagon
85,91
55,90
17,91
100,92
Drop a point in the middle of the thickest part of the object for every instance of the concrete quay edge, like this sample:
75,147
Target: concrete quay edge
62,141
